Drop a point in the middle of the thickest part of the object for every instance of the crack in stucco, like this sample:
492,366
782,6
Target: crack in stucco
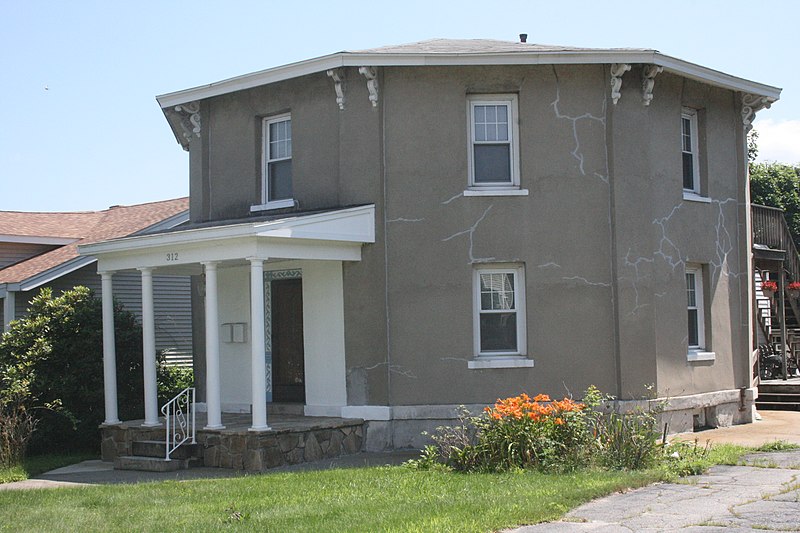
395,369
457,196
576,152
471,232
550,264
670,253
586,281
401,219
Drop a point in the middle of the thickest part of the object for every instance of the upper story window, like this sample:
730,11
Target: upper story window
493,143
690,151
276,182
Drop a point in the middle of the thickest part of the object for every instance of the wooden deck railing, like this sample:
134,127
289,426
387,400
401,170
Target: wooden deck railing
770,229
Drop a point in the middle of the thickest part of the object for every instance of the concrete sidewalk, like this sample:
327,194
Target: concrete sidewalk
96,472
764,495
726,499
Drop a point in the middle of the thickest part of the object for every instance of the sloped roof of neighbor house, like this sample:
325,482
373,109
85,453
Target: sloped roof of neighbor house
71,229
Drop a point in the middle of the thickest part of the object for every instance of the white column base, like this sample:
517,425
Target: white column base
257,429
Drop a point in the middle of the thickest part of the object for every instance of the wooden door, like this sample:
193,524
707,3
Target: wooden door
288,367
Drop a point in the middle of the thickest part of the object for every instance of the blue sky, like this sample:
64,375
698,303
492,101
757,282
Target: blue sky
96,136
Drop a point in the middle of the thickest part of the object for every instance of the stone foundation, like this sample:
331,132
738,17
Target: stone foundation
241,449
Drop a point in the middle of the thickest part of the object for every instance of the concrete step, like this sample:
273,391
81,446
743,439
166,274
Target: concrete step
158,448
778,388
296,409
149,464
777,406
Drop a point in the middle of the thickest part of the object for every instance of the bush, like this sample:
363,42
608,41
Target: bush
547,435
172,380
59,348
16,421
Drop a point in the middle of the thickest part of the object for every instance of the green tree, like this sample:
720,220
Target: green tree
59,348
776,185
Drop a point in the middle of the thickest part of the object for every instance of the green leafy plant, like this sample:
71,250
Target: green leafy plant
56,350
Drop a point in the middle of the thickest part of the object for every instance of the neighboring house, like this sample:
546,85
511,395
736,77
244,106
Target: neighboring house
388,233
41,250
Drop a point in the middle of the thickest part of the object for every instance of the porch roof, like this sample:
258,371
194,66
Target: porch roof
332,234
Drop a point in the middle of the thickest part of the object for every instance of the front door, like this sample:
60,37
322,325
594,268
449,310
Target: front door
288,367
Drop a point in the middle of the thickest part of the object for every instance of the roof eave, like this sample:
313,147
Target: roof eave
357,59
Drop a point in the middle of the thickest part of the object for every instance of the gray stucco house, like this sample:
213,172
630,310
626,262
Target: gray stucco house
386,234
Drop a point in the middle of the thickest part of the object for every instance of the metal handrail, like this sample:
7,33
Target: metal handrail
180,420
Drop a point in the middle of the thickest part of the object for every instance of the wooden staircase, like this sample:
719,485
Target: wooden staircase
776,258
784,396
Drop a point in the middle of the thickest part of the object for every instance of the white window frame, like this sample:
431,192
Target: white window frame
520,306
691,115
698,352
511,102
266,204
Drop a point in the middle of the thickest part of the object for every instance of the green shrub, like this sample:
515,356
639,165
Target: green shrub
59,348
172,380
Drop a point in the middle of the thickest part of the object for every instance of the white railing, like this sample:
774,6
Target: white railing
179,415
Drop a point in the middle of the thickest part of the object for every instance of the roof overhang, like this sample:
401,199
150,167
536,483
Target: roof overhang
350,59
36,239
331,235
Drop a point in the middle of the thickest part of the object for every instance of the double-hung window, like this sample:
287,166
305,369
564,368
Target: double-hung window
696,311
689,151
276,183
493,144
499,311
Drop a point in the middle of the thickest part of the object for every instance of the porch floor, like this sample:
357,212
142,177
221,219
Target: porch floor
239,423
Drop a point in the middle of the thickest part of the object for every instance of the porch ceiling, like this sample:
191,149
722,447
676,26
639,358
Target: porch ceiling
328,235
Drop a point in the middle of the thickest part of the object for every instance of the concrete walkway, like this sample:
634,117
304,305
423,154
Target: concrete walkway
765,495
96,472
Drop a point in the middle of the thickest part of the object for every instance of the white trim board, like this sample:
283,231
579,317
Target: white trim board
350,59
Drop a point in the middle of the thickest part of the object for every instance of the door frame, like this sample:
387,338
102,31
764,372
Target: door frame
269,277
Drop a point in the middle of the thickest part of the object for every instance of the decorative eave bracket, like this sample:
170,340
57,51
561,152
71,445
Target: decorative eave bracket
752,104
189,119
372,83
649,73
617,70
339,84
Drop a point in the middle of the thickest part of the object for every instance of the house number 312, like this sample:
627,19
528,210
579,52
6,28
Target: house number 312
172,256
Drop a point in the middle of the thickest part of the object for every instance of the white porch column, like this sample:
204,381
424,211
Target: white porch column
109,349
149,350
9,309
259,369
213,402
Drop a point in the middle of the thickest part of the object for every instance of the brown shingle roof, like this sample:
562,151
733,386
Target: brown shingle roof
87,227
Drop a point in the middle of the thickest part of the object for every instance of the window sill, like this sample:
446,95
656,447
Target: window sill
495,192
700,355
694,197
277,204
500,362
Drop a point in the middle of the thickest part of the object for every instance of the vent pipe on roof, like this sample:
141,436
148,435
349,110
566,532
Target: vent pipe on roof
523,37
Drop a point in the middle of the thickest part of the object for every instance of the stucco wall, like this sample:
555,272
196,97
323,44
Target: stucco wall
604,233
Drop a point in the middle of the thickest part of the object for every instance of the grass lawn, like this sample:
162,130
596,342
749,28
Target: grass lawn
363,499
41,463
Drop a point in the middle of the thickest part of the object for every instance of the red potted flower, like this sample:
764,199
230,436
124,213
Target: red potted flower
769,288
793,289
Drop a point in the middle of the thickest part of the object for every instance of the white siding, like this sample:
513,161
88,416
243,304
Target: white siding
171,298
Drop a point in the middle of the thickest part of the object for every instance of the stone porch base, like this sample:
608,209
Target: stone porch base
292,440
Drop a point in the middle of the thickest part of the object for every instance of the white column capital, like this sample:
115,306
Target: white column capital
256,260
146,271
209,264
106,274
